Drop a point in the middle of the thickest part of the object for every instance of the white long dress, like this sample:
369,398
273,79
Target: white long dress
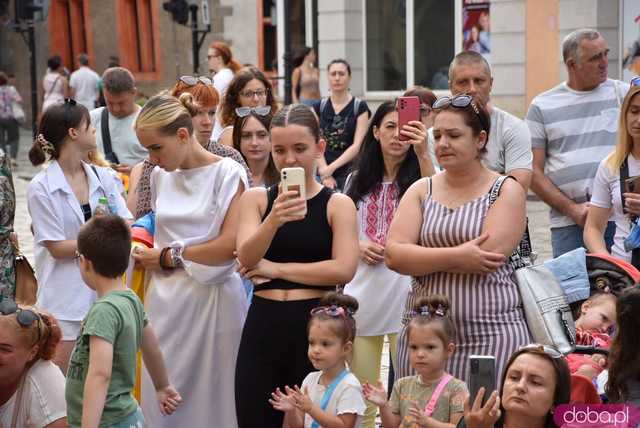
197,313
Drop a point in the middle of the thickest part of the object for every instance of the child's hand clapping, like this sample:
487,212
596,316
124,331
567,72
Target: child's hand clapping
300,398
419,416
375,394
281,401
169,399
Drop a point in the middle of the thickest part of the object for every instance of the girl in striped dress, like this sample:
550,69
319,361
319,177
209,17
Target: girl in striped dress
460,247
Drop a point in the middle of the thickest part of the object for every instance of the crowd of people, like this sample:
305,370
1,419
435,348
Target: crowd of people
267,307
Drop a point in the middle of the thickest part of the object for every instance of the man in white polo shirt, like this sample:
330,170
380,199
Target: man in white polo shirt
573,127
115,136
84,83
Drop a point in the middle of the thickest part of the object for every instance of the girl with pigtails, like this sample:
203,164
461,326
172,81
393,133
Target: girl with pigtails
60,199
31,385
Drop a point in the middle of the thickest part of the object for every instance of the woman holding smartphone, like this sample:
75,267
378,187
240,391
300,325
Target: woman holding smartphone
452,240
623,161
293,260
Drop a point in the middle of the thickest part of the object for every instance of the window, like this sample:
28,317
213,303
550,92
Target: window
69,30
409,42
138,37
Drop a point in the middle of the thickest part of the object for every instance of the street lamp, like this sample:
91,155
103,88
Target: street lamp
180,11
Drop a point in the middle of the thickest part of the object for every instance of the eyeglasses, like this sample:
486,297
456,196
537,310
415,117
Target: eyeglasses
425,109
76,255
25,317
332,311
250,94
213,56
459,101
193,80
635,81
551,352
246,111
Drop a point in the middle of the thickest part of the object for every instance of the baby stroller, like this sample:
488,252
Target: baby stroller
599,273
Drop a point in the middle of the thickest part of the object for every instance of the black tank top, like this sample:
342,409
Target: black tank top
305,241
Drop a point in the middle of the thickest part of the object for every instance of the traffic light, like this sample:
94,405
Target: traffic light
26,9
179,10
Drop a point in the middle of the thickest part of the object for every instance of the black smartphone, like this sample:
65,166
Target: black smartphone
482,374
632,185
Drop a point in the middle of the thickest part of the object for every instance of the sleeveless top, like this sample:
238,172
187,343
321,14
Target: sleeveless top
53,89
305,241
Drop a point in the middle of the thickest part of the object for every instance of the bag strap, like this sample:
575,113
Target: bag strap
356,106
106,135
431,405
50,91
324,402
323,104
624,175
18,404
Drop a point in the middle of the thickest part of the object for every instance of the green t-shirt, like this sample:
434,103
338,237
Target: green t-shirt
411,388
117,317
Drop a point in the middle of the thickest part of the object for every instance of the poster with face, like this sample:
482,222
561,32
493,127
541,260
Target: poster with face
476,27
630,39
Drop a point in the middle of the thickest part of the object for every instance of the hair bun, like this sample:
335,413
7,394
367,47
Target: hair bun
189,102
433,303
349,303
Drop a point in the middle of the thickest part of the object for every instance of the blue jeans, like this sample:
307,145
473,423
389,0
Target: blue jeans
567,238
134,420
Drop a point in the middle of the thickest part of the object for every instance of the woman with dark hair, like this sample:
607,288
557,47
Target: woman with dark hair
450,237
293,259
386,168
249,88
206,97
343,122
55,85
535,381
251,138
31,385
624,366
222,65
60,199
305,79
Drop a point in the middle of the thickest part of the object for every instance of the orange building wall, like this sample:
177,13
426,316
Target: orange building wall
542,47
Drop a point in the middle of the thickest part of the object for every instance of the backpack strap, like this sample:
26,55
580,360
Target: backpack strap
624,175
106,137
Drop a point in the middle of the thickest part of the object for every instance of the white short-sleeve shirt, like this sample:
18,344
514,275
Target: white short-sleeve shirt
42,400
346,398
84,82
606,194
221,80
56,215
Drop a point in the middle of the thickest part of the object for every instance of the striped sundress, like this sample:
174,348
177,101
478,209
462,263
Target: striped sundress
486,309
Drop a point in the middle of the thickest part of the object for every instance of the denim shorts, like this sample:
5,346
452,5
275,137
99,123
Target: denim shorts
134,420
567,238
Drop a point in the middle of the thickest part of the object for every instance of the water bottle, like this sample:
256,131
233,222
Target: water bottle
103,207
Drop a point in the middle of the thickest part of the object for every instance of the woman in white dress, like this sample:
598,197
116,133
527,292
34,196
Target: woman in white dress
195,300
55,86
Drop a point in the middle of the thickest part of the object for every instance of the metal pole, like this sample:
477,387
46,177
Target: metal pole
287,57
34,82
193,8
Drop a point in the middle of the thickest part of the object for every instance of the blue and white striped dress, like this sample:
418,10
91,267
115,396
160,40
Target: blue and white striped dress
486,309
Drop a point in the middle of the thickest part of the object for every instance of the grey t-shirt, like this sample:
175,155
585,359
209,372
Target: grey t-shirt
124,141
509,144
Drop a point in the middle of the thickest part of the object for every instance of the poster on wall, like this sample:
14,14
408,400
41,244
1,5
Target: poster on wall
476,31
630,39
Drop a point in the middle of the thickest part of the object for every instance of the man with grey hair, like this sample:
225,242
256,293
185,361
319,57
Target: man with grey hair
573,127
115,136
509,145
84,83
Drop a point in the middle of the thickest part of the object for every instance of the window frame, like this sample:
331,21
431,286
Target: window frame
125,46
409,46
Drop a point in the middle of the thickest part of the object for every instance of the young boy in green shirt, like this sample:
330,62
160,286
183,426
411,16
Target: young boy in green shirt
102,368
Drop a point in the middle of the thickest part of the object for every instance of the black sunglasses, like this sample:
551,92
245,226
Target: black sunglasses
25,317
461,101
193,80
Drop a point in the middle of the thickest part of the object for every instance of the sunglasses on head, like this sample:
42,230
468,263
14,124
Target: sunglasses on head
246,111
635,81
25,317
193,80
461,101
551,352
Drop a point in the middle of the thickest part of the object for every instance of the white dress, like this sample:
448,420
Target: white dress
197,313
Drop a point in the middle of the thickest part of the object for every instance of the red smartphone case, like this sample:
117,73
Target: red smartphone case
408,110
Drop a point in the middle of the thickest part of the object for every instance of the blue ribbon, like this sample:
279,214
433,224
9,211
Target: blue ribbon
327,394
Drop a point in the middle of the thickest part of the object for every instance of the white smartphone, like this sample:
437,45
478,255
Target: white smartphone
293,179
482,374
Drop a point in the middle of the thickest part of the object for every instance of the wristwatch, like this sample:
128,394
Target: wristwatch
177,248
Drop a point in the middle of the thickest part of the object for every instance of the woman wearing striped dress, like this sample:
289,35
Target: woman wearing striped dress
460,247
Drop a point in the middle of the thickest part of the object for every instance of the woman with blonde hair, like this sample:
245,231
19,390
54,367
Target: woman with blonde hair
31,385
195,299
611,189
